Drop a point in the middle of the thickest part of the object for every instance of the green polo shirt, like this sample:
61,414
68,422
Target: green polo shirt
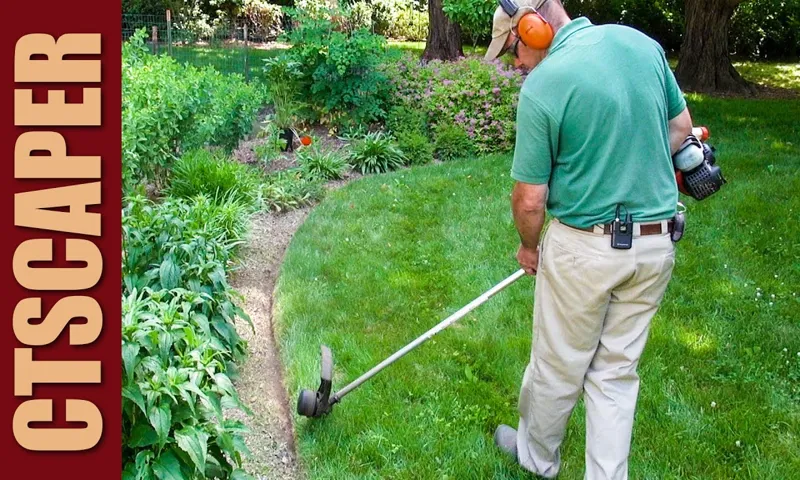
592,122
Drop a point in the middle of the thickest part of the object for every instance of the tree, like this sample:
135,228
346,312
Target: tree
704,64
444,36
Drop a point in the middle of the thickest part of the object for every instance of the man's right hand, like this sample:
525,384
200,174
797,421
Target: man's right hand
528,259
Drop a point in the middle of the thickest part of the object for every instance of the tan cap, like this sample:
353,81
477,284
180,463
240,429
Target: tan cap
502,24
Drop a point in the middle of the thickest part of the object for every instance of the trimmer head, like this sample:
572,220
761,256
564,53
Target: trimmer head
317,404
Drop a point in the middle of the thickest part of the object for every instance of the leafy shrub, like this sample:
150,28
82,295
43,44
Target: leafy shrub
215,175
264,18
321,164
273,143
766,29
283,75
471,15
340,70
416,147
168,108
360,14
179,341
376,153
290,189
406,119
411,24
479,97
452,142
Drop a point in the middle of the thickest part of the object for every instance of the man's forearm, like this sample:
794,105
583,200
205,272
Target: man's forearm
529,223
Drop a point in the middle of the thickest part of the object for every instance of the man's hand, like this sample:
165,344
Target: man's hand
528,259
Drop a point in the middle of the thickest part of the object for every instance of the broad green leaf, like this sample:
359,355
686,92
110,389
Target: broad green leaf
195,443
142,435
167,467
202,322
225,443
143,467
132,393
161,418
224,383
169,273
129,360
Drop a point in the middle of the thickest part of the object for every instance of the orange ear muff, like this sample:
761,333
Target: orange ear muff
535,32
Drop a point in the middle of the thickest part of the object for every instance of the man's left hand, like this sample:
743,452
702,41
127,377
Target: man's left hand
528,259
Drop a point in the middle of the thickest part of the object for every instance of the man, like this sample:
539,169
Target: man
598,121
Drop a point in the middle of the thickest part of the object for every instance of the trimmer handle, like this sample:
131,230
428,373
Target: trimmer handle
701,133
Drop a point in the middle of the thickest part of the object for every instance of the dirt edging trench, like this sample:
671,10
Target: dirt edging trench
260,384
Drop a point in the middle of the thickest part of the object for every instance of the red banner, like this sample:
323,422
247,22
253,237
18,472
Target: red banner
61,194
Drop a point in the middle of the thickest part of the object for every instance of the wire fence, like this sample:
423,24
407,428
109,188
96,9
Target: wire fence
228,46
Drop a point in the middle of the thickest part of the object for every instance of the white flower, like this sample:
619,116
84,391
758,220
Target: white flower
738,443
785,350
773,295
713,404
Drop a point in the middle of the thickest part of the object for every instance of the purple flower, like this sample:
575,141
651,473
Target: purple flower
447,82
496,90
483,92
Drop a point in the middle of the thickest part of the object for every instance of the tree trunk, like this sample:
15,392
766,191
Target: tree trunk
704,64
444,36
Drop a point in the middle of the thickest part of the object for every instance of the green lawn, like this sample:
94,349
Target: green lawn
226,60
387,257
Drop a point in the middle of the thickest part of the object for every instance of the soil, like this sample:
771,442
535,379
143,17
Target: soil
260,384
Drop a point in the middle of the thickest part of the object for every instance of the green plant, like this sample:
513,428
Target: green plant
216,175
322,164
452,142
340,69
282,75
290,189
479,97
411,24
376,153
179,340
416,147
471,15
273,144
406,119
263,17
169,108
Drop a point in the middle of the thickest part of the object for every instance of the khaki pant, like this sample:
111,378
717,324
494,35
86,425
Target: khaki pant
592,310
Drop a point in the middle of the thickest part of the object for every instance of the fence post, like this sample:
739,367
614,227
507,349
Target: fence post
246,55
169,32
155,39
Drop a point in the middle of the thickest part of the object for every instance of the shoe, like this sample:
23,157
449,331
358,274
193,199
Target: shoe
505,438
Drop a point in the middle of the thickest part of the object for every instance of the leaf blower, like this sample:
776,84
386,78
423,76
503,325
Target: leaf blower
696,171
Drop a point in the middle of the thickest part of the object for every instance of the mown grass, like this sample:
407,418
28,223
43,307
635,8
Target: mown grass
385,258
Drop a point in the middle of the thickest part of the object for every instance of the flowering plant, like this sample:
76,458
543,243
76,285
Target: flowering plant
471,93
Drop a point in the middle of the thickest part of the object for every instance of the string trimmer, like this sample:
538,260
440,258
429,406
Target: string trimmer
316,404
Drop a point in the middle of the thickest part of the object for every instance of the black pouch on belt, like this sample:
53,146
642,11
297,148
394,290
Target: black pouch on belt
622,231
